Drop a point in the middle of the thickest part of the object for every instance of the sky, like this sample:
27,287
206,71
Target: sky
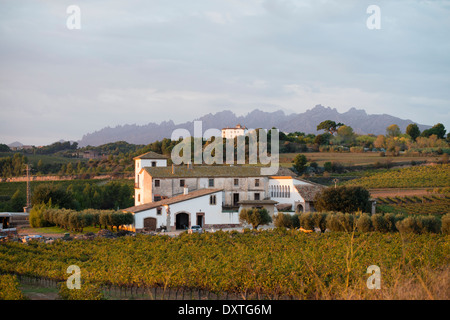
135,62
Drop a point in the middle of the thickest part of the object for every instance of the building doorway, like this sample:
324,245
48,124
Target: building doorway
182,221
200,219
150,224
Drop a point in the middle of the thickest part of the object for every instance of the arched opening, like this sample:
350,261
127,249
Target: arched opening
300,208
150,224
182,221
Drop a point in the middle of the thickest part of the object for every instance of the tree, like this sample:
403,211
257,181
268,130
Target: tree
322,139
393,131
18,201
329,126
255,217
345,135
4,148
380,142
413,131
438,129
299,163
59,197
343,199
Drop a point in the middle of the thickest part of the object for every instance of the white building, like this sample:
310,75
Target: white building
150,159
231,133
211,196
201,207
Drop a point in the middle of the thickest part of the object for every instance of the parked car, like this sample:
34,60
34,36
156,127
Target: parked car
195,229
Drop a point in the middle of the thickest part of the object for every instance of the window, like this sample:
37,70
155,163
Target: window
211,183
157,183
153,163
257,196
139,198
212,199
158,211
236,182
256,182
182,183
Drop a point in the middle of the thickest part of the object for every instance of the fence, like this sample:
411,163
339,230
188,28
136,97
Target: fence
112,292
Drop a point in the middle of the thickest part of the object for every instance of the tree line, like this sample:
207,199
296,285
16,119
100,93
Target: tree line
76,196
76,221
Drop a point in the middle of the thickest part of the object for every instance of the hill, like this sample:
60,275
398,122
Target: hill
307,122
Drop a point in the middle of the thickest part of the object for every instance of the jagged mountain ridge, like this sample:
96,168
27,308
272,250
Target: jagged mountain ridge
358,119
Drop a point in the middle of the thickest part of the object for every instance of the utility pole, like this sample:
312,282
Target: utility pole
335,182
27,208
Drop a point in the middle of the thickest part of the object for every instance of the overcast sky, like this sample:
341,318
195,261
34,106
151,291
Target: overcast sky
151,61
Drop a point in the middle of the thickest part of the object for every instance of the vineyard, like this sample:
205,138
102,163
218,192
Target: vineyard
277,263
430,204
411,177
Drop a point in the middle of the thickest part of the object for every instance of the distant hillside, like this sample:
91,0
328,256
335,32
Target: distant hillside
359,120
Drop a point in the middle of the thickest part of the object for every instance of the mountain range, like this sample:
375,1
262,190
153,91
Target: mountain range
359,120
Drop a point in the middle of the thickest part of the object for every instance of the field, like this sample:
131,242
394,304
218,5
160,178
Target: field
278,263
425,204
351,159
431,176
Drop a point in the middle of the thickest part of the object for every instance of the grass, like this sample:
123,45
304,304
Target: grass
57,230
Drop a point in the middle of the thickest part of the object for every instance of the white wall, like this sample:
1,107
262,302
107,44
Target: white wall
212,213
294,196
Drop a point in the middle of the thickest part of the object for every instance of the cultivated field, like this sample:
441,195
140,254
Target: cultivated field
273,264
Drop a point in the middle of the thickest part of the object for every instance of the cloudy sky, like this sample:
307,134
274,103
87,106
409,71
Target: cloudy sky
135,62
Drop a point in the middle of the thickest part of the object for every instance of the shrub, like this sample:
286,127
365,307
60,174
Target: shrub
320,220
380,223
391,220
36,216
306,220
9,288
88,291
445,228
407,225
255,217
364,223
357,149
286,220
428,224
419,225
341,222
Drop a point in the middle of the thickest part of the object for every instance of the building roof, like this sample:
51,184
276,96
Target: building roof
176,199
238,126
308,192
151,155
